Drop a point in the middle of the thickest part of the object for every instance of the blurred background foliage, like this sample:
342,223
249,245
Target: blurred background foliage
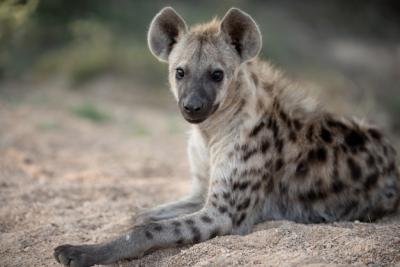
351,44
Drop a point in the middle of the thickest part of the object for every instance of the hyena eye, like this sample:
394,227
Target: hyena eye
179,74
217,75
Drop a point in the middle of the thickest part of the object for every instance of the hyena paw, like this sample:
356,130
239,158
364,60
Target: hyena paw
73,256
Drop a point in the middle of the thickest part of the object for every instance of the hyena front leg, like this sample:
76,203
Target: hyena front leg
215,218
184,206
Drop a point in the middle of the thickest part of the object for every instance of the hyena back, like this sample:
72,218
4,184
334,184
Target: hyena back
259,149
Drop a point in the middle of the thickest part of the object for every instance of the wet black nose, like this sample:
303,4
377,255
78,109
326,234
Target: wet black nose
193,105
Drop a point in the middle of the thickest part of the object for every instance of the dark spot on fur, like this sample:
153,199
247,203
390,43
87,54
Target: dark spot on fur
226,195
355,139
279,145
292,136
176,223
348,207
237,147
240,186
244,205
248,154
180,242
336,124
326,135
302,169
268,87
196,234
337,186
241,219
355,169
278,164
257,129
234,172
149,235
214,233
321,154
189,221
310,133
206,219
283,188
256,186
283,116
243,186
374,133
222,209
297,125
371,180
274,126
158,228
313,195
265,146
370,160
255,78
269,186
177,231
391,168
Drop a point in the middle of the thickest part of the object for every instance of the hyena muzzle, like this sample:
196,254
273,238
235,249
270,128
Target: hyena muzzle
259,149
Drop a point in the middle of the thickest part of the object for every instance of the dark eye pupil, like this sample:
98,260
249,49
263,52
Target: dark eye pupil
217,75
179,74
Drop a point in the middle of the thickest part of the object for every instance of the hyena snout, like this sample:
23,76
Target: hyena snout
195,108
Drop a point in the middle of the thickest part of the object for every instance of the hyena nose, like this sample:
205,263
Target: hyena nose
193,106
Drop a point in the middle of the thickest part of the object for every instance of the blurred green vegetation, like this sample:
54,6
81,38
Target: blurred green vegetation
82,40
92,113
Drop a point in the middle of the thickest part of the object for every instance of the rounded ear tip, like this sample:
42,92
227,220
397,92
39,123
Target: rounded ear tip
167,9
236,10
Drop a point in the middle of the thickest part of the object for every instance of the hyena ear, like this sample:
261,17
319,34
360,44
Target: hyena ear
165,30
242,32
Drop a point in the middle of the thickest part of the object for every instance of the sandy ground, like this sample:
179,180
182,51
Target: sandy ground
66,179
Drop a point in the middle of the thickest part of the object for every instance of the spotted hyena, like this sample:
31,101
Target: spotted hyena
259,148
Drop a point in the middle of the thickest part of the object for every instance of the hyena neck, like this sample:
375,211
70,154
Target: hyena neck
230,116
259,90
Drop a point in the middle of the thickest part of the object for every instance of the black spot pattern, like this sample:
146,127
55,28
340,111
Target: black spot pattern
374,133
337,186
256,186
196,235
278,164
257,129
244,205
214,233
265,144
241,219
149,235
326,135
371,180
206,219
222,209
297,125
158,228
302,169
355,139
355,169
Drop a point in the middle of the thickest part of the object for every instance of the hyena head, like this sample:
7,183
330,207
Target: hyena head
203,61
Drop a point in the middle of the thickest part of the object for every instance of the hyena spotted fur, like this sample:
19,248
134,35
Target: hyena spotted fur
259,148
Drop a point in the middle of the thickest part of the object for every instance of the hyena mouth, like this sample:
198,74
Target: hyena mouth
197,120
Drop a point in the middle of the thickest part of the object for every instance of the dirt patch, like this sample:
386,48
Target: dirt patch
65,178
